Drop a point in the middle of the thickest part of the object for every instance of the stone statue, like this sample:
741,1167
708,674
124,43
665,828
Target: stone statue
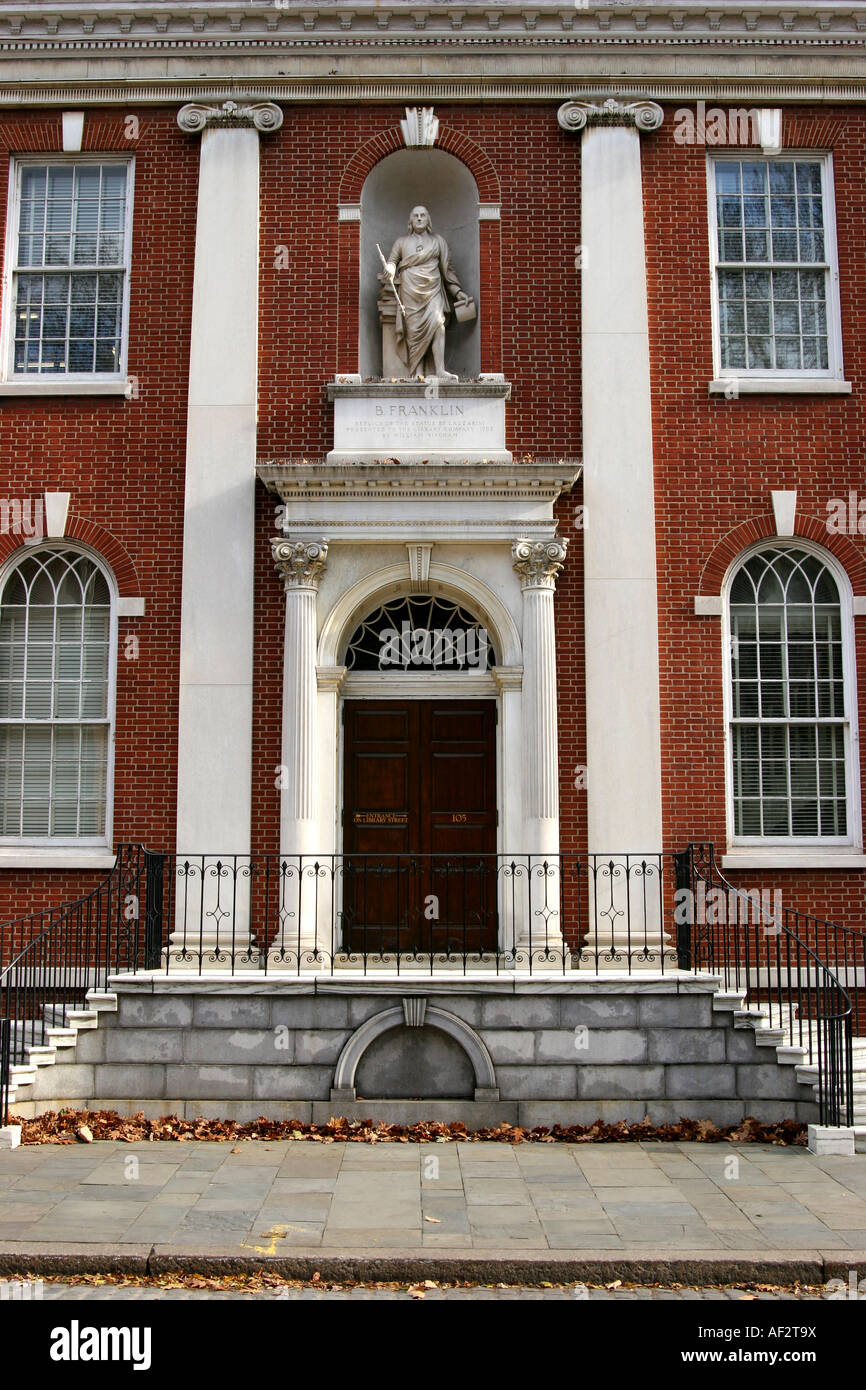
425,288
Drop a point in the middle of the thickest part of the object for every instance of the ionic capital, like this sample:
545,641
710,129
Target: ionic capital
265,116
645,115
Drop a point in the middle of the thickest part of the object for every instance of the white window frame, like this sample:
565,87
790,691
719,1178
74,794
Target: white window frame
835,369
853,841
47,380
78,842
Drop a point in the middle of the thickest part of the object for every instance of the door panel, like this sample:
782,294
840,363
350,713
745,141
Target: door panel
420,825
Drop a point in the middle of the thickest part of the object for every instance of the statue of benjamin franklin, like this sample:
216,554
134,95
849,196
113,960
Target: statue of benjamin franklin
419,269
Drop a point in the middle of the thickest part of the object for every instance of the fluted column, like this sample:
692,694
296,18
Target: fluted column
300,564
537,564
623,753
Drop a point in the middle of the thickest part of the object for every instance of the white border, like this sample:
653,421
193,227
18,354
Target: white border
750,846
12,845
8,376
779,375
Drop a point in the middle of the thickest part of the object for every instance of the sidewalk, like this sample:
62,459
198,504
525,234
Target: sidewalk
689,1213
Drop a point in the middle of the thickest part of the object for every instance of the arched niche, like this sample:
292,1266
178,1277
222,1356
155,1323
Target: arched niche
444,185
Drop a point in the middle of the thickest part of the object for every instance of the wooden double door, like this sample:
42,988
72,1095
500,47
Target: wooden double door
419,825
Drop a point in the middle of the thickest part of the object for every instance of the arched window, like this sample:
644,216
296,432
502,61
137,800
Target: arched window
57,667
791,697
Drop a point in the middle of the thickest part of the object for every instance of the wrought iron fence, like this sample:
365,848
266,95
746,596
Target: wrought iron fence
771,955
428,913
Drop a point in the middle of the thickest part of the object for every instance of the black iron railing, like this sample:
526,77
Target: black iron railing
794,968
426,913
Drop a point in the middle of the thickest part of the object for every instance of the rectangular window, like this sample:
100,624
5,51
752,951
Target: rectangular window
69,249
774,268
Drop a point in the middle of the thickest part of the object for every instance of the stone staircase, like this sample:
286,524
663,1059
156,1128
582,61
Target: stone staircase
61,1039
60,1044
784,1037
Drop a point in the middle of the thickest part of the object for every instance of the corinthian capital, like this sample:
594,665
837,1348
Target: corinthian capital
300,563
538,562
574,115
263,115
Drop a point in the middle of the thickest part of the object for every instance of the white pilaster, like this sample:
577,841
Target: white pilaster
621,613
214,793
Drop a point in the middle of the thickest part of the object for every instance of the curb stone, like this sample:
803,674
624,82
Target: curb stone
491,1266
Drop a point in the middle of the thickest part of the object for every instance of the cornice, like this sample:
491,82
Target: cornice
238,22
62,51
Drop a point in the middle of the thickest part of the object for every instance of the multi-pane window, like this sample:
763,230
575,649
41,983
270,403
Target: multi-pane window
55,698
789,731
71,265
774,267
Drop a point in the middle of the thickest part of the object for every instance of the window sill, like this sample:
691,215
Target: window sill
779,858
37,857
111,387
778,386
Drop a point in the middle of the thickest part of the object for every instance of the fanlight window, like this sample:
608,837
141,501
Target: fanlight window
789,730
55,699
420,634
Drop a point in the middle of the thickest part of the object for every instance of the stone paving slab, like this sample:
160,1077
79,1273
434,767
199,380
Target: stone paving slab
649,1206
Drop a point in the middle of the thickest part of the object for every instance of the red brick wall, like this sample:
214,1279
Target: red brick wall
716,461
123,462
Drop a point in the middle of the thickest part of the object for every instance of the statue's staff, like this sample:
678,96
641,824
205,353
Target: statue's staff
390,275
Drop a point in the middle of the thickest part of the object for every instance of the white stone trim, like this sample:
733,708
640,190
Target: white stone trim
73,131
734,386
858,606
111,387
420,127
34,857
419,565
489,212
433,685
471,1043
131,607
784,511
708,606
348,212
770,129
56,514
778,858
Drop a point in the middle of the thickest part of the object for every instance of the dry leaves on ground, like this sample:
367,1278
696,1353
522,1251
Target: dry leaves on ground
74,1126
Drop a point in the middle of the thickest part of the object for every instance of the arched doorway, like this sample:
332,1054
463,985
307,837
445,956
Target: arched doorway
419,780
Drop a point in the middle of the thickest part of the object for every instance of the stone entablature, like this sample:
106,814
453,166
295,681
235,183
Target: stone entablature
70,54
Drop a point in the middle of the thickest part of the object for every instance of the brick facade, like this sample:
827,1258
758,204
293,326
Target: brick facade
715,459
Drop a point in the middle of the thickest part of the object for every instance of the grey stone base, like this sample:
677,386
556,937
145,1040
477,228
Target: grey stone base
558,1050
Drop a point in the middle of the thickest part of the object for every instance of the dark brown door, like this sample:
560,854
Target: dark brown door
419,821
